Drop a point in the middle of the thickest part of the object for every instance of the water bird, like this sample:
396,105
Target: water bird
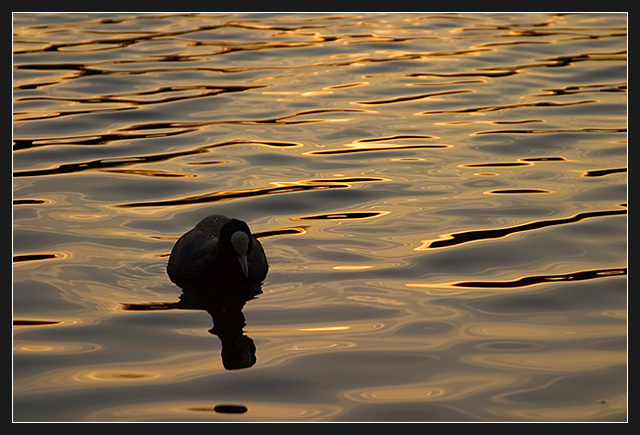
218,260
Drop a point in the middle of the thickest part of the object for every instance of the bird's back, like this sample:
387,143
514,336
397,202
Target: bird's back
187,263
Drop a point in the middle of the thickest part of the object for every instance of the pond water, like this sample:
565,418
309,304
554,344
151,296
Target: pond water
441,197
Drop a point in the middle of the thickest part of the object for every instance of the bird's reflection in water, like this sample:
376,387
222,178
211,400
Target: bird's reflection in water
220,266
238,350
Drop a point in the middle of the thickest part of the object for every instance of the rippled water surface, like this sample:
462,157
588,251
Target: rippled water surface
442,200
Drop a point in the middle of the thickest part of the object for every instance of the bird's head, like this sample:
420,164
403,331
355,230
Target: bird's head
237,241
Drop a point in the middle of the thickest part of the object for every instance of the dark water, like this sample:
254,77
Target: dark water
442,199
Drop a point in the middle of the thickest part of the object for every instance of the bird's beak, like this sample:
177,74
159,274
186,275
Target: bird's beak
242,259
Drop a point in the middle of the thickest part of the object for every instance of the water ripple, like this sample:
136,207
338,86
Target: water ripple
286,187
475,235
531,280
125,161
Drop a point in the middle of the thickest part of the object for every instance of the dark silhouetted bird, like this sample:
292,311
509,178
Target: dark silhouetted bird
218,260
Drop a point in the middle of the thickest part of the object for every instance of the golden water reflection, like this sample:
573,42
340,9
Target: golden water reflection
207,411
442,198
600,410
451,387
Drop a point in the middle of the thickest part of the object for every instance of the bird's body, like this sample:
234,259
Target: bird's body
218,259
